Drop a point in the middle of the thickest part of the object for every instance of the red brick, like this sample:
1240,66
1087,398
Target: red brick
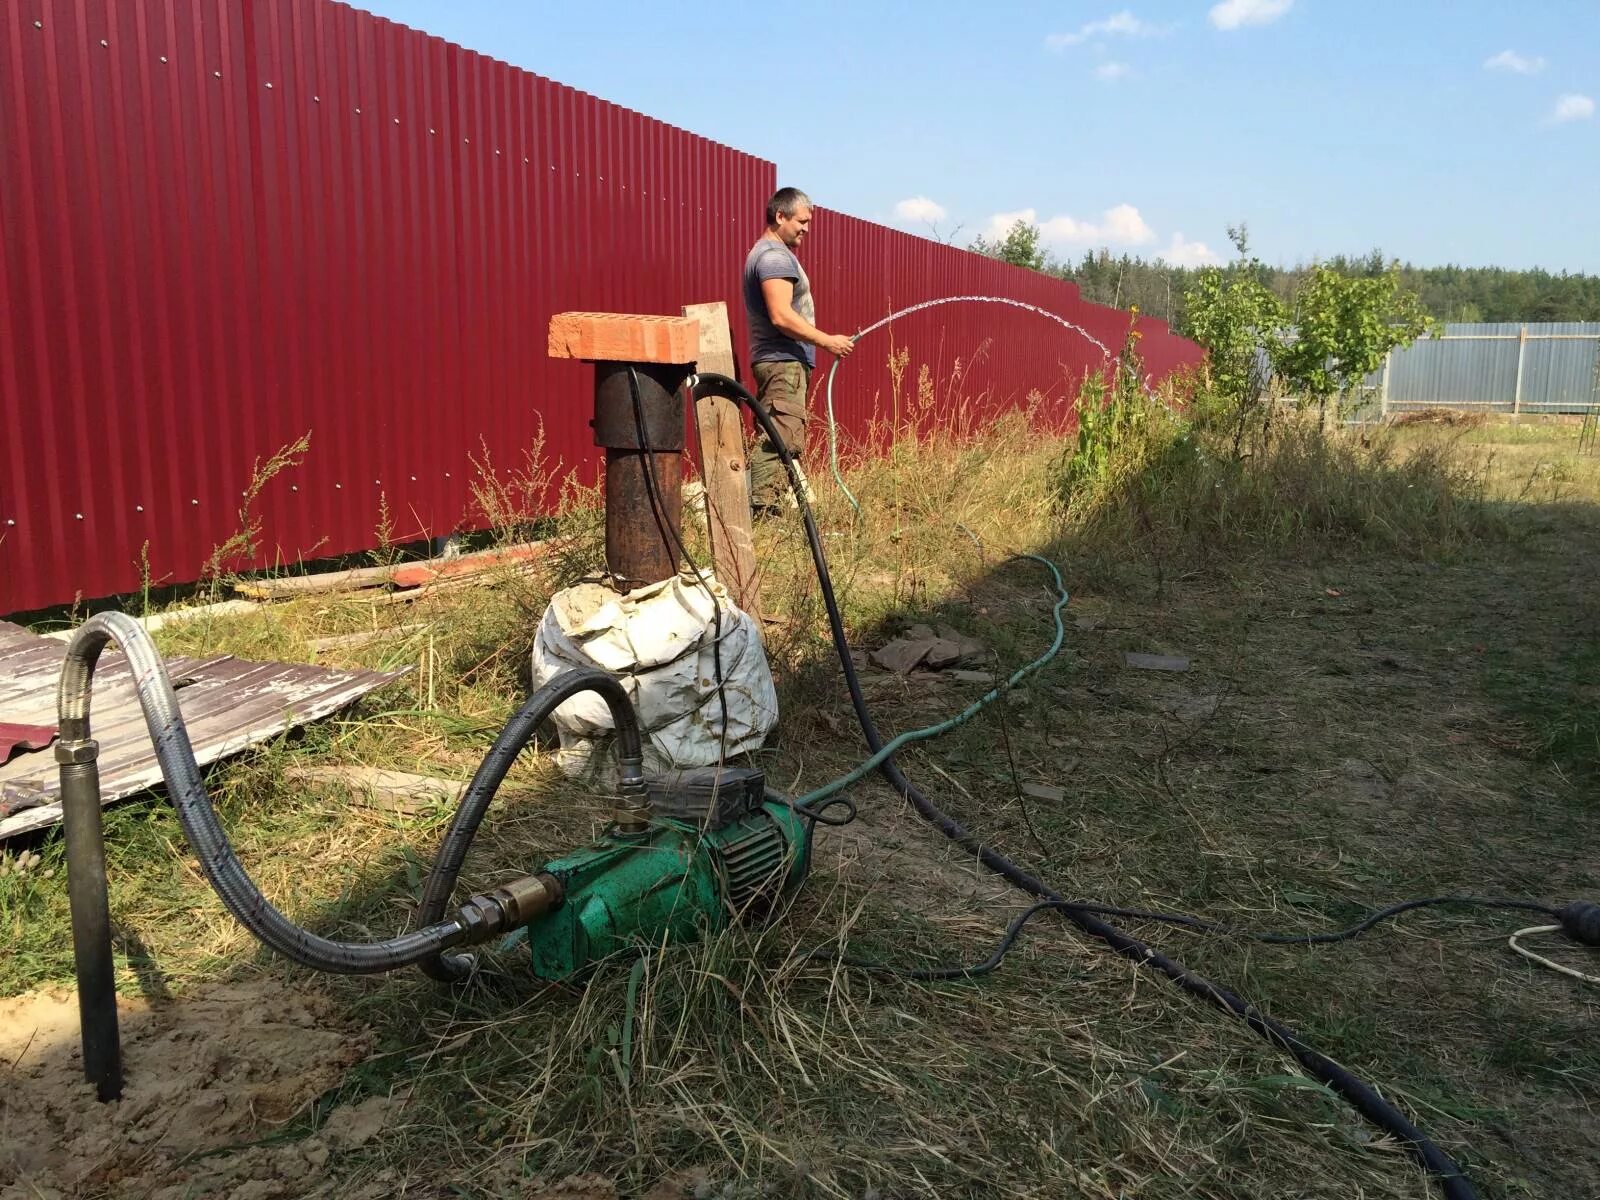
624,337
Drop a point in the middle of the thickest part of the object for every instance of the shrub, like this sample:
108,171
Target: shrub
1144,475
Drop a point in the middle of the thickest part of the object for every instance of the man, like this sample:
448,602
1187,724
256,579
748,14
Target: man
783,340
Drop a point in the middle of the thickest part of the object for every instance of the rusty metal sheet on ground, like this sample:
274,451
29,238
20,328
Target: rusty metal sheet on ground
228,705
23,737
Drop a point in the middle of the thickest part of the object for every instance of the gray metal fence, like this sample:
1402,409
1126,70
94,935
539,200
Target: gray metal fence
1506,367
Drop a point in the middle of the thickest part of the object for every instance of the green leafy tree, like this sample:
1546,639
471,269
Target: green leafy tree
1448,293
1235,316
1341,328
1020,247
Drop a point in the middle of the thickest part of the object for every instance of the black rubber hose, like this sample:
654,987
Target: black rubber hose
653,486
91,917
1361,1095
491,772
201,828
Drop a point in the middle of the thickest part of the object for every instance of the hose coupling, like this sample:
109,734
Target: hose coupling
632,814
78,750
509,906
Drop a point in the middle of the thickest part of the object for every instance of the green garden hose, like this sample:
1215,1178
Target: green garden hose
867,766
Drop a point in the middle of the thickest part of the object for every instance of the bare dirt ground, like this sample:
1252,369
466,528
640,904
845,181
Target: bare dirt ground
212,1072
221,1087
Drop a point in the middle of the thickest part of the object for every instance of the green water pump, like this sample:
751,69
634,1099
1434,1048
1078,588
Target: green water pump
685,855
718,848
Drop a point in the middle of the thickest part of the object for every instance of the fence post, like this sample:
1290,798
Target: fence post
723,467
1522,348
1383,387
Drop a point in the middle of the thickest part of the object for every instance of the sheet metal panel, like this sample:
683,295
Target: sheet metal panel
1561,370
1475,366
229,704
1561,375
1458,374
977,357
233,223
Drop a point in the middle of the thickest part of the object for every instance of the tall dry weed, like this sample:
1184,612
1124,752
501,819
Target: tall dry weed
1169,485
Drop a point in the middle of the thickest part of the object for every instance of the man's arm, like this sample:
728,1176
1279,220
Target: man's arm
779,295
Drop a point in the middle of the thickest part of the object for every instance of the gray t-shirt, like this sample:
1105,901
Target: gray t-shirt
769,259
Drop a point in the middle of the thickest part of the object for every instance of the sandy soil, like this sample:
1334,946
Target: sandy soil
225,1067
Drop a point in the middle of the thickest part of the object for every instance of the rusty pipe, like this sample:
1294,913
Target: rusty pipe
643,530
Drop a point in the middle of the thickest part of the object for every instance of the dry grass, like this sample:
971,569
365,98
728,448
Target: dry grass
1537,465
1442,416
1363,720
1183,492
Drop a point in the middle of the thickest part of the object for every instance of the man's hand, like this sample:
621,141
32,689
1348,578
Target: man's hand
838,344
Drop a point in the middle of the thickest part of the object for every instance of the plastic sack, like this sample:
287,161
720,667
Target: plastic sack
660,642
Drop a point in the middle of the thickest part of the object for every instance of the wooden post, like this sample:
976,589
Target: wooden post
723,466
1383,387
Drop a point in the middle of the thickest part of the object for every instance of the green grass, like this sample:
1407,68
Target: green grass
1397,711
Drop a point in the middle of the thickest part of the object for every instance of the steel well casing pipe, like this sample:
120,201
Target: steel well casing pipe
91,916
640,536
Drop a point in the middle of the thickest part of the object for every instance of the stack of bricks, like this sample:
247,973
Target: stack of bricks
624,337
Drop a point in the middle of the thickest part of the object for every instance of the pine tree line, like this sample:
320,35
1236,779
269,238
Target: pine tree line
1448,293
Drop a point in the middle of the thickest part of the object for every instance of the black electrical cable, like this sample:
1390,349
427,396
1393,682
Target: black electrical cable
937,974
1358,1093
1319,939
1008,940
670,531
817,814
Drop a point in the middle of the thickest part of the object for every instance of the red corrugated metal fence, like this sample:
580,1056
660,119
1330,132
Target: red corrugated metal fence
230,223
989,355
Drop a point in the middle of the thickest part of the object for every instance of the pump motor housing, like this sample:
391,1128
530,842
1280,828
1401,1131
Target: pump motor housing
718,850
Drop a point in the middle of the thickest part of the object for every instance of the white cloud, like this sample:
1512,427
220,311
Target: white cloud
1000,224
1573,107
1510,60
1123,23
1118,226
1111,71
1234,14
1123,226
920,208
1189,254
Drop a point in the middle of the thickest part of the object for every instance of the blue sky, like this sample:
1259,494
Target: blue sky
1440,131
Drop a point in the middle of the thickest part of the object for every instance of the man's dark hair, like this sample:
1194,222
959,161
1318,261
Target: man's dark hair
784,202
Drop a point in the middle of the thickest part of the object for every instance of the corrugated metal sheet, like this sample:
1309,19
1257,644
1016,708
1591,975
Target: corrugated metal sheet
1561,375
231,223
984,356
229,705
1459,374
1476,366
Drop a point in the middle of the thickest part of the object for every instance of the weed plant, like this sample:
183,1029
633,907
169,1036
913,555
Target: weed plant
1181,479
